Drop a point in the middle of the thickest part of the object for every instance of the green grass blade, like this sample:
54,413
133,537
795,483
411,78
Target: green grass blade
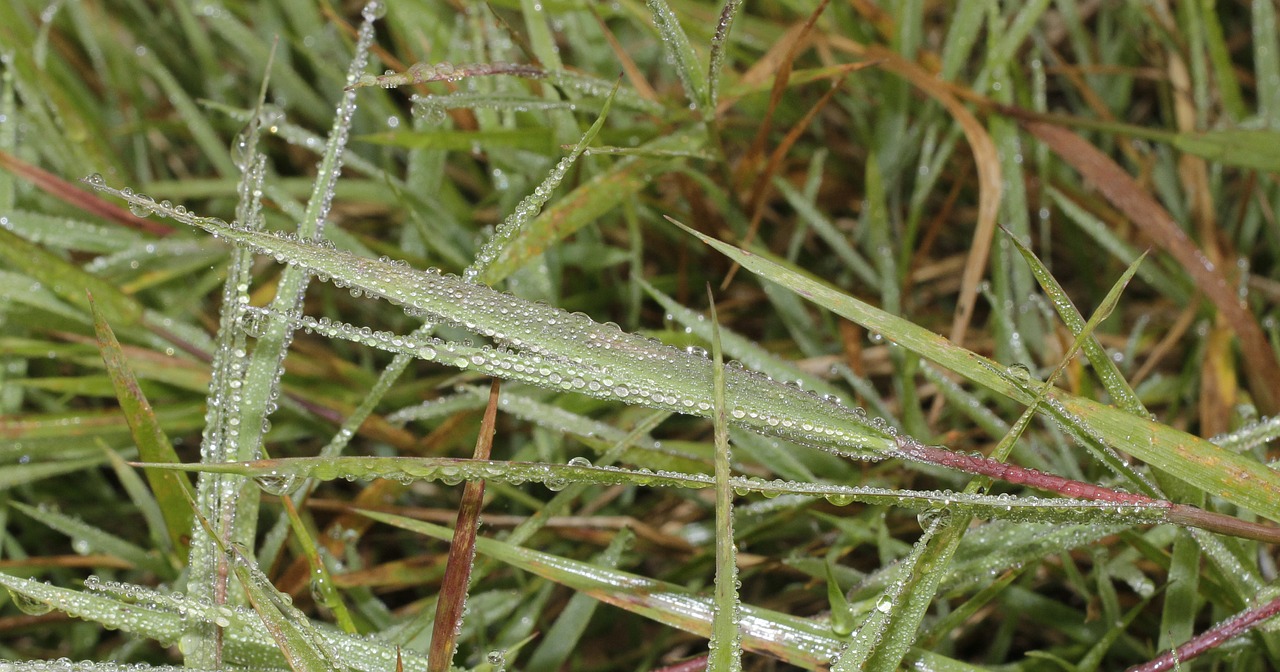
741,348
566,634
587,203
1121,394
321,578
531,205
791,639
692,73
87,539
724,654
172,491
68,281
451,471
1182,455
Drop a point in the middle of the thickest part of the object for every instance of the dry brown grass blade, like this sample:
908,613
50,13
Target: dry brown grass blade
71,194
990,181
782,76
1218,383
1118,187
635,76
462,551
763,186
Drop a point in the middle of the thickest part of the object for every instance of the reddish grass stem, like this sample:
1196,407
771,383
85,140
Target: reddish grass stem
462,551
1012,473
1211,638
1178,514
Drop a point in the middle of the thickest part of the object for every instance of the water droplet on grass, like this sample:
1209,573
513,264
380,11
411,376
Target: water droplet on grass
29,605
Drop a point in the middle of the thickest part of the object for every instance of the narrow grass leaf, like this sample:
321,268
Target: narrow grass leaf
798,641
145,500
68,193
1240,147
588,202
1212,638
531,205
859,651
87,539
566,351
464,141
1105,367
321,580
164,618
298,639
692,73
1182,455
1121,190
455,470
566,635
14,475
67,280
172,491
744,350
719,51
725,644
842,618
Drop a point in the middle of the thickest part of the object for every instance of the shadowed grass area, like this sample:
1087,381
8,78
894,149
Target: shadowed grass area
286,288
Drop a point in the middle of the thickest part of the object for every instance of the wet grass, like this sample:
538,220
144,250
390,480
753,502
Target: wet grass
556,335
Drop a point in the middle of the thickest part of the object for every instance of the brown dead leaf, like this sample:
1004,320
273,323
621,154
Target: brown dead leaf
1118,187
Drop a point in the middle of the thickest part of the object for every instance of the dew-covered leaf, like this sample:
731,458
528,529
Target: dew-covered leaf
1189,458
549,347
791,639
451,471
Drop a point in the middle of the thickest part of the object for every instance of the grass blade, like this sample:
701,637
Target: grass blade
1182,455
724,653
172,491
462,549
1155,221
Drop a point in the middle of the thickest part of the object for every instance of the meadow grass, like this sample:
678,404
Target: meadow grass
562,335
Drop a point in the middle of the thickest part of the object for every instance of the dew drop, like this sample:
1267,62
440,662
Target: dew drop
29,605
278,484
374,10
